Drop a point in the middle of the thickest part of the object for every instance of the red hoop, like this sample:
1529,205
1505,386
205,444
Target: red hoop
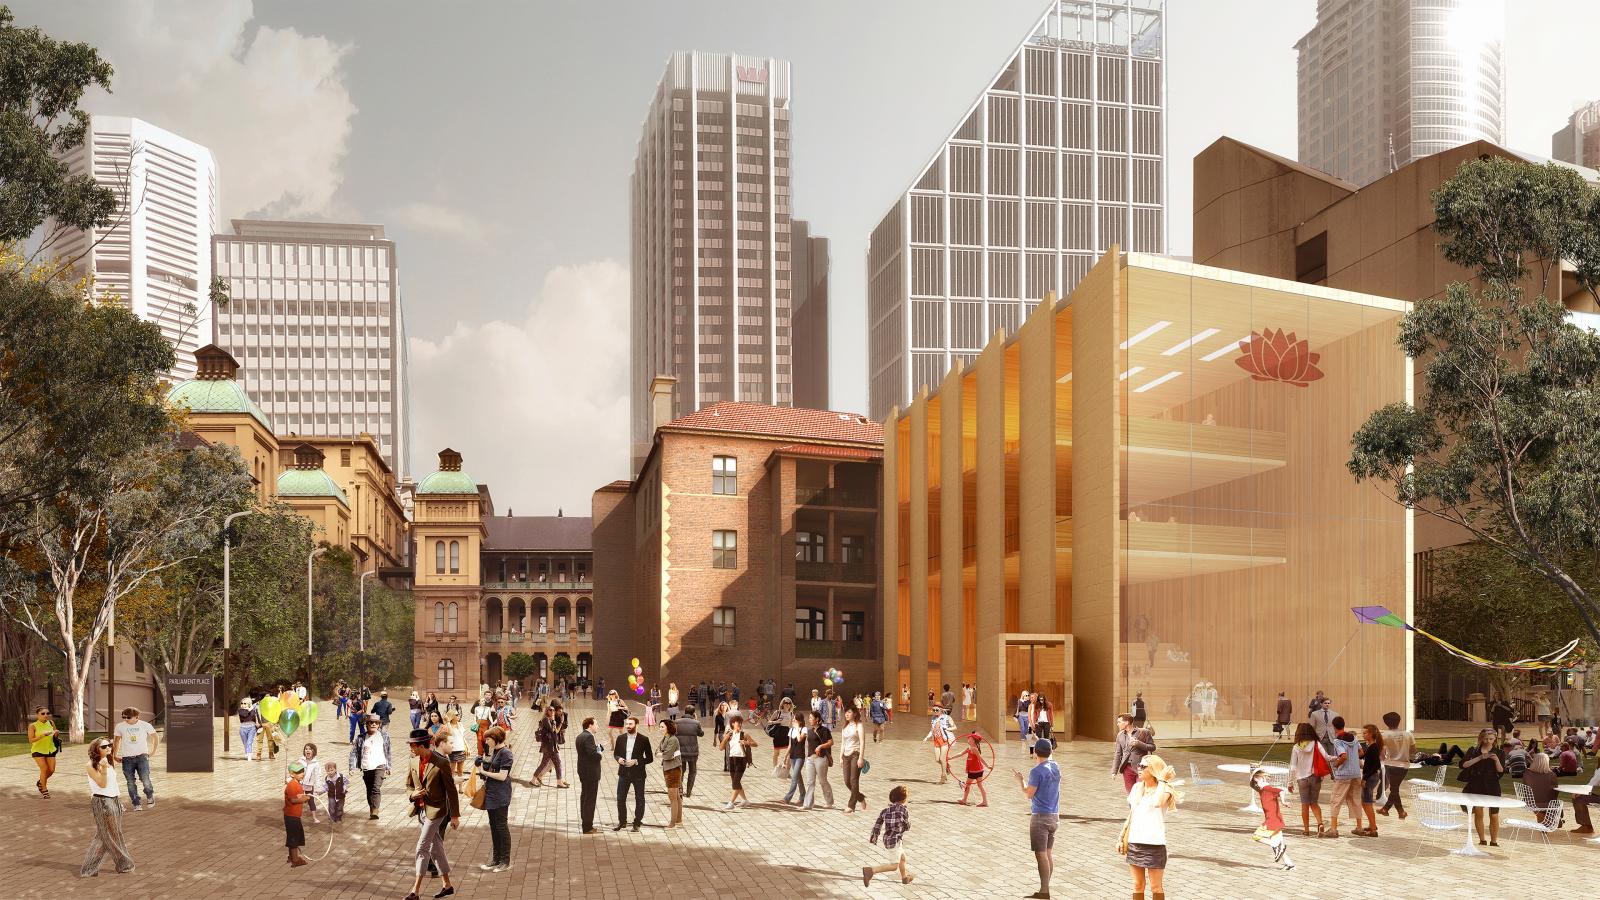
983,743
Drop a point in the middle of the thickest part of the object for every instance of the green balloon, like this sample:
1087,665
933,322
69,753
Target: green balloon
308,712
289,722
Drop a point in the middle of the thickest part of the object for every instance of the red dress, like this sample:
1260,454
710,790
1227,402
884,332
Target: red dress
1271,808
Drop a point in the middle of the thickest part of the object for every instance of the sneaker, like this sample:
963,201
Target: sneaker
728,805
1288,867
503,867
487,867
137,808
150,802
1277,852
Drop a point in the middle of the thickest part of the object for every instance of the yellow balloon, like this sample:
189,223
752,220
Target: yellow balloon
269,708
308,712
635,663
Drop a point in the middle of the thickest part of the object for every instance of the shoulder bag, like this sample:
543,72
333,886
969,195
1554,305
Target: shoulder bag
478,790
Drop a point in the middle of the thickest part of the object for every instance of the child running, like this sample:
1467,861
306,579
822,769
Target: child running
977,772
1270,832
894,821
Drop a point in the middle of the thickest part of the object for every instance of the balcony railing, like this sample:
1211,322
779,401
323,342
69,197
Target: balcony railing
585,637
831,649
516,637
491,637
858,573
567,586
847,498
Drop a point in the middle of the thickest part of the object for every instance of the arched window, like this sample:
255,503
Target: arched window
452,619
447,674
438,557
583,665
438,618
810,624
455,557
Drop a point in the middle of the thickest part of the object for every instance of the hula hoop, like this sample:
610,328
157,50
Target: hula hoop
983,742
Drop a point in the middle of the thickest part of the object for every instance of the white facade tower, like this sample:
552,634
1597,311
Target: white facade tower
1060,157
156,257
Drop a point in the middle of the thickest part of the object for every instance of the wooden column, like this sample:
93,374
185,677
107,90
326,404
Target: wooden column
889,556
991,538
952,650
918,556
1037,470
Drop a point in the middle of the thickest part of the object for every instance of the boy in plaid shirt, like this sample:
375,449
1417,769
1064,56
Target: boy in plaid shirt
893,823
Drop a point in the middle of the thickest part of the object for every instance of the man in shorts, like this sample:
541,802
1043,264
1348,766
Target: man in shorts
1043,790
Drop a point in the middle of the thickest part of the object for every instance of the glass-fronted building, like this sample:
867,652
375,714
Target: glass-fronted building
1143,494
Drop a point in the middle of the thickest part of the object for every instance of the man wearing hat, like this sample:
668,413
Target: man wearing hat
436,802
369,755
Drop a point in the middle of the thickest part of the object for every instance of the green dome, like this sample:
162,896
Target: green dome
216,395
309,483
448,482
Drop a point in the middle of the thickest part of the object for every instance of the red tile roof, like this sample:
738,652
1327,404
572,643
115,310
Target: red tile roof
537,532
828,450
781,421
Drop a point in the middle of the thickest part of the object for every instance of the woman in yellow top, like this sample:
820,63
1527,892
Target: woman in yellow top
42,741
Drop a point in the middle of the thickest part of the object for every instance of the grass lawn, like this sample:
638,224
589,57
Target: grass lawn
1252,753
17,744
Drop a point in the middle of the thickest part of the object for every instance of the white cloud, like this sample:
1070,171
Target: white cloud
538,407
271,103
431,218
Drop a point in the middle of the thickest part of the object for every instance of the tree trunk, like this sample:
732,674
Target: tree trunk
19,668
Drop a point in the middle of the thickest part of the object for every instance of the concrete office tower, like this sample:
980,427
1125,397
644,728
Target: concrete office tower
1579,142
810,317
1060,157
318,328
156,256
1385,82
712,285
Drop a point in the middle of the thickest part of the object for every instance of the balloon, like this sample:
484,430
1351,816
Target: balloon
828,682
634,662
638,671
308,712
269,708
291,700
290,722
630,681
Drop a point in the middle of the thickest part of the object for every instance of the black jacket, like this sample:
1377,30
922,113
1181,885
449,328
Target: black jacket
641,752
588,757
689,734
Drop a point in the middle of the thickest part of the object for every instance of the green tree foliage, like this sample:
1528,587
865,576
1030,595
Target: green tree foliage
41,82
1504,439
518,666
563,666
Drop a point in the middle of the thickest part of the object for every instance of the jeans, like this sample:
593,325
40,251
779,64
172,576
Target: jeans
636,783
797,780
355,723
137,765
1022,728
416,719
852,781
1394,777
817,776
247,737
691,765
500,835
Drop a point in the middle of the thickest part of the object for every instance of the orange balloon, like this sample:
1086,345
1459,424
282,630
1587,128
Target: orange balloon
290,700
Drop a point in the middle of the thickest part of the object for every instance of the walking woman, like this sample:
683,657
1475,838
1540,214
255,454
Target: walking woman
1151,799
719,727
42,743
105,801
851,749
1303,778
248,725
494,766
1481,770
1371,778
457,742
616,715
1041,718
942,732
671,756
782,721
1024,726
549,737
738,746
672,695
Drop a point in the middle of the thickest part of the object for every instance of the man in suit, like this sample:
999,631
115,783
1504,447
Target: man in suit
433,793
689,734
1131,747
588,772
633,753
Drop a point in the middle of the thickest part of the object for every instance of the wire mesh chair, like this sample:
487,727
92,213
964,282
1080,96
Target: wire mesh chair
1438,818
1545,822
1195,779
1418,785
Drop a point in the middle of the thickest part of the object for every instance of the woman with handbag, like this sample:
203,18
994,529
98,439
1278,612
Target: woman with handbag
548,735
671,756
778,730
738,745
1144,835
44,744
1305,758
493,795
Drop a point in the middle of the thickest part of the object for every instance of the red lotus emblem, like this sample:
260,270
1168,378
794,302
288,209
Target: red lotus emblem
1274,356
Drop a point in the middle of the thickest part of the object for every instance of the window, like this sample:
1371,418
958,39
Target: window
809,546
544,623
724,475
722,626
583,665
438,618
344,458
447,674
438,557
852,549
544,667
724,549
561,623
810,624
453,618
138,662
583,621
852,625
455,557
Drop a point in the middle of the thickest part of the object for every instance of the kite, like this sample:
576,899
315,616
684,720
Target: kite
1555,661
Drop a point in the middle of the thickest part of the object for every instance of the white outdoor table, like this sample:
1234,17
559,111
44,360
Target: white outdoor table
1471,802
1578,790
1246,769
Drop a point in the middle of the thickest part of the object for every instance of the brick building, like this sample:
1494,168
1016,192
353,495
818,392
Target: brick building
747,548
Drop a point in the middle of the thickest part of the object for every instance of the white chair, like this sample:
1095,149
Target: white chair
1545,822
1196,781
1418,785
1438,818
1524,793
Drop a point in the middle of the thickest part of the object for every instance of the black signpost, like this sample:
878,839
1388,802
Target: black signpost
190,722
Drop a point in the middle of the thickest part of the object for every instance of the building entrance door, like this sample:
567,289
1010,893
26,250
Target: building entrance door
1041,663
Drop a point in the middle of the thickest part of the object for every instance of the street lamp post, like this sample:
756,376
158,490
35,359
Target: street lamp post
362,583
227,630
309,559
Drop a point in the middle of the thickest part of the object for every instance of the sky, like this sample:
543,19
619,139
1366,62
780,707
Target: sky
494,140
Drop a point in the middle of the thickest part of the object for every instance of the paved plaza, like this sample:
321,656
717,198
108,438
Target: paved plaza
220,836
